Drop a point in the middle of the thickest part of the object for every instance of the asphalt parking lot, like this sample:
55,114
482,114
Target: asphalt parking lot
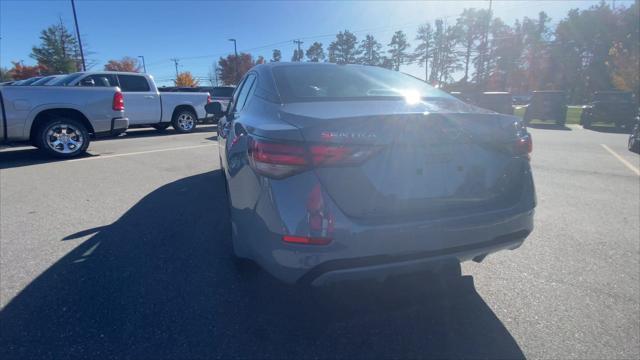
124,254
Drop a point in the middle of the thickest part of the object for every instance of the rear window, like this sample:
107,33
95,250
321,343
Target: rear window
222,91
133,83
329,82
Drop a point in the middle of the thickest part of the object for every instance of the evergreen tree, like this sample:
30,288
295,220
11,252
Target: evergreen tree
343,50
315,53
398,49
58,52
369,50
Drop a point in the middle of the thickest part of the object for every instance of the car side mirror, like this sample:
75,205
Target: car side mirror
214,108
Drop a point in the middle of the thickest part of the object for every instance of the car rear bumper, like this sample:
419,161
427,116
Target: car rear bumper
382,267
119,125
361,248
381,251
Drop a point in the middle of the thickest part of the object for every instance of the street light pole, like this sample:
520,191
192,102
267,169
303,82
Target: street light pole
235,50
144,66
75,19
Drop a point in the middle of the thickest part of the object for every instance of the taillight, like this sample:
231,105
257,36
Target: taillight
209,99
275,159
305,240
279,160
523,145
118,101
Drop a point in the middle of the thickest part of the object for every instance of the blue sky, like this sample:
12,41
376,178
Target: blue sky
196,32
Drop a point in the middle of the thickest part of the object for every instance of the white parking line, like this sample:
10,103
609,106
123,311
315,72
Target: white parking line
140,153
622,160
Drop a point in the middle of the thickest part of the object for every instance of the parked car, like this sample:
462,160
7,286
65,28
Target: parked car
521,99
500,102
617,107
634,137
26,82
146,106
338,172
547,105
57,120
221,94
47,80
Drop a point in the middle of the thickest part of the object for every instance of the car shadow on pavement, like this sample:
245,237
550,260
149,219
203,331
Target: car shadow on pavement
26,157
549,126
143,132
159,284
609,129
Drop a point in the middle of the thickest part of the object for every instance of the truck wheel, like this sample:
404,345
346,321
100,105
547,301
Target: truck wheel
63,138
161,126
184,121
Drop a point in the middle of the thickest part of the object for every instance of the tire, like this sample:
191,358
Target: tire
563,117
184,121
586,121
161,126
634,145
63,138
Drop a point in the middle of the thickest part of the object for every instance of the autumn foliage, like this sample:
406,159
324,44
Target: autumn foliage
185,79
20,71
127,63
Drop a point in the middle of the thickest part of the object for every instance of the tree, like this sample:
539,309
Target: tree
4,74
227,67
369,50
471,25
398,49
535,58
315,53
505,51
277,55
58,52
423,52
260,60
125,64
343,49
185,79
445,56
19,71
298,55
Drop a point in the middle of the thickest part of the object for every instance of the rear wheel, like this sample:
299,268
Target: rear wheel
184,121
161,126
63,138
634,144
586,121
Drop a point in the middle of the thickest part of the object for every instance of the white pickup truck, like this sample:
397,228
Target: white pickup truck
59,120
146,106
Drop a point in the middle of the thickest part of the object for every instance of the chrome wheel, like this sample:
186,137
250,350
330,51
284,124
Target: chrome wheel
186,121
64,138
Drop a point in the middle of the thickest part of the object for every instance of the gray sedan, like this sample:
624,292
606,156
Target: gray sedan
345,172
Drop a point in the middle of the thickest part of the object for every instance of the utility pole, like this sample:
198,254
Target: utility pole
175,61
299,53
144,66
75,19
235,51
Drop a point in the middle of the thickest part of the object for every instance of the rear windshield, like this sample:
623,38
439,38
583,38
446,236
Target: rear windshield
66,80
327,83
222,91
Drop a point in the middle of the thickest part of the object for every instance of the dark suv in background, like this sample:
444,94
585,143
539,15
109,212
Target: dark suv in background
617,107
